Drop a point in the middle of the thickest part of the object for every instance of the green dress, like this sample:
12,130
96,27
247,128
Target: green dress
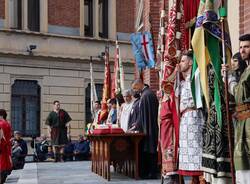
242,139
57,123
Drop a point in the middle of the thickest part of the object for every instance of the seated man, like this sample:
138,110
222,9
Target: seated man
68,151
82,149
41,148
19,151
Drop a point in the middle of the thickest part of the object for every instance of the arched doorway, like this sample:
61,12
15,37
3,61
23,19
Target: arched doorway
25,107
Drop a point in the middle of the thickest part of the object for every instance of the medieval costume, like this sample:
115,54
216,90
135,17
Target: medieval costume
57,123
190,138
5,150
241,92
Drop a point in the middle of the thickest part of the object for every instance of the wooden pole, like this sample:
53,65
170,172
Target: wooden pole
160,72
224,57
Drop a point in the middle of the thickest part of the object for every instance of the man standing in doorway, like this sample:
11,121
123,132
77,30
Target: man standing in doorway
59,130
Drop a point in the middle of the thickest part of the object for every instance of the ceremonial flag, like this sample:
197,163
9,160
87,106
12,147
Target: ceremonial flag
190,13
174,40
93,94
142,45
206,48
118,79
196,85
161,40
122,79
173,48
106,88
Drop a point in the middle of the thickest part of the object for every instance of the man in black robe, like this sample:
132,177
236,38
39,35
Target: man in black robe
58,129
148,112
134,124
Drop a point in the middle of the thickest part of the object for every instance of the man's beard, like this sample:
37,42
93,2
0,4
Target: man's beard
247,58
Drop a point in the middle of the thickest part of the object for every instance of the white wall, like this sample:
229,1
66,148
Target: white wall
233,21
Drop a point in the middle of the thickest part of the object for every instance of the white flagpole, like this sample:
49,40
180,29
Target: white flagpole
93,95
121,69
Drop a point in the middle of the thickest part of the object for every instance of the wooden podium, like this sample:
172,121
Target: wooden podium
119,150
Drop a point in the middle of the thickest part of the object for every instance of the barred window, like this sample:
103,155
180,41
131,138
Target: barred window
25,107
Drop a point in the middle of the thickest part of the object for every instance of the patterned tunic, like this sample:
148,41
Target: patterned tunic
191,125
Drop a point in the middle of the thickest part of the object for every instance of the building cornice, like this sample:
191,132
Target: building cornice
41,34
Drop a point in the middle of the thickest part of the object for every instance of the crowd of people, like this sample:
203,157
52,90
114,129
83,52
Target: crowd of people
193,141
138,113
196,146
73,151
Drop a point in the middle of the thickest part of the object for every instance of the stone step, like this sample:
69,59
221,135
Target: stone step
27,175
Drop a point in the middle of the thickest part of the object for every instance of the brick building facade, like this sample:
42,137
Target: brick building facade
45,48
150,22
244,16
64,13
2,11
125,23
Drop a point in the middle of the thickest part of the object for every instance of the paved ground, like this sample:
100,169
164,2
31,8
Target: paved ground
66,173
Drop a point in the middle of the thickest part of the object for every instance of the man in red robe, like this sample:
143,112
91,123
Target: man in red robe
5,147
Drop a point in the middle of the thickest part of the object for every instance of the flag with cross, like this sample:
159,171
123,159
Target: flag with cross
142,45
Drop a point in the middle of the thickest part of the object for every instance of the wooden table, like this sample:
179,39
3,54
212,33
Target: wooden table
119,150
